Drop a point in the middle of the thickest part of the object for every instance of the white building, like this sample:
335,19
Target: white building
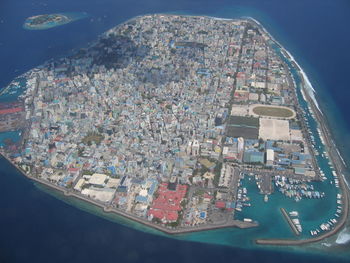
270,156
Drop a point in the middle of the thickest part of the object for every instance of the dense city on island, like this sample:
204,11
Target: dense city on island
163,118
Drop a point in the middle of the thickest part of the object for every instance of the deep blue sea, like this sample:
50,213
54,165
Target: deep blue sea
37,227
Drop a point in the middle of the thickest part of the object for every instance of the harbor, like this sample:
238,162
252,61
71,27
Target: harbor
289,173
332,225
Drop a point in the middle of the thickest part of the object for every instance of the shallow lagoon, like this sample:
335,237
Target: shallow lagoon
233,238
312,212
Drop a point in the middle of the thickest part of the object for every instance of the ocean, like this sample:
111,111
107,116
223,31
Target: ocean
38,227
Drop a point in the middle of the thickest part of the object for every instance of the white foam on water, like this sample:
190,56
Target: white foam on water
220,18
343,237
326,244
307,83
341,158
303,93
346,182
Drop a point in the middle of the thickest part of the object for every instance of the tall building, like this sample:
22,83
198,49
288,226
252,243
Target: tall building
195,148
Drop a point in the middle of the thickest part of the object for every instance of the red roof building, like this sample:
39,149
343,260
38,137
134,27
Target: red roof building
220,204
11,110
168,203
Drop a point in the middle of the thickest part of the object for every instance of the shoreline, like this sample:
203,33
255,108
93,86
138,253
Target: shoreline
66,18
106,209
325,131
334,153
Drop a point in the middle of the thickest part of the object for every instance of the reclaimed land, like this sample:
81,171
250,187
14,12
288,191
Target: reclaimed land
289,221
338,165
336,159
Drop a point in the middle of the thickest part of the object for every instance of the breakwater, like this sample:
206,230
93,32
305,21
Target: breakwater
289,221
340,169
331,147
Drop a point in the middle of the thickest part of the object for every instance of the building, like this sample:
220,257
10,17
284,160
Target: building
98,179
270,156
195,148
253,157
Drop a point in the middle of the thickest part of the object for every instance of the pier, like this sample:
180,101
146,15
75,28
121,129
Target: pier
295,165
339,166
290,222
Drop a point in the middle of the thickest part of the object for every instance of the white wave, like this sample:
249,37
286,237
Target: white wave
263,28
307,83
303,93
341,158
327,244
220,18
256,21
343,237
346,182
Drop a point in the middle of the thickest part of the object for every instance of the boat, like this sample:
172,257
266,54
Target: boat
296,221
299,228
293,213
266,198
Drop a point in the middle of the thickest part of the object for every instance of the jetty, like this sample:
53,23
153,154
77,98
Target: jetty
290,222
126,168
339,166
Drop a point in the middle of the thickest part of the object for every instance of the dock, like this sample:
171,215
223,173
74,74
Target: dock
290,222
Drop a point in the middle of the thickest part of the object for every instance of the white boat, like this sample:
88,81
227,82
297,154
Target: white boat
296,221
299,228
266,198
293,213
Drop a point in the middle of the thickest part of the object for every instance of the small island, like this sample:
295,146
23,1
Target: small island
183,124
46,21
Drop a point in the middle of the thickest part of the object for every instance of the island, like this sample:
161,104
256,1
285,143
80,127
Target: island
46,21
183,124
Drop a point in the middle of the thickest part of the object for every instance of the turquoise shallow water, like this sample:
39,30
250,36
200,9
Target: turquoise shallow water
312,212
273,224
15,89
13,135
10,94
